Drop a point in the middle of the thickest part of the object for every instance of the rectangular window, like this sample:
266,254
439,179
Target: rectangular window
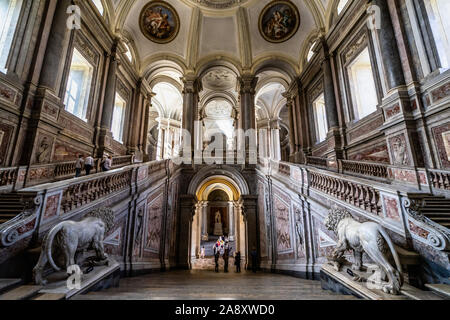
118,118
362,85
9,17
320,118
438,11
78,86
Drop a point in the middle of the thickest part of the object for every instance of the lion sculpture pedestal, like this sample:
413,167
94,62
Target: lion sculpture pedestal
369,238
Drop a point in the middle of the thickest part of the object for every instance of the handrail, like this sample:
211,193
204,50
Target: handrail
50,172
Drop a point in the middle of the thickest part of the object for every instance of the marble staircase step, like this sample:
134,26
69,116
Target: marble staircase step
8,284
50,297
21,293
417,294
442,290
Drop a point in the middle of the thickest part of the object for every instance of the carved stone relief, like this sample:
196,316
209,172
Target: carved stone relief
43,149
399,150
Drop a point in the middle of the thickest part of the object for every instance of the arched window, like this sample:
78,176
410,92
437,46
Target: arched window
9,17
320,118
79,86
341,6
440,25
98,4
362,85
118,119
128,52
310,52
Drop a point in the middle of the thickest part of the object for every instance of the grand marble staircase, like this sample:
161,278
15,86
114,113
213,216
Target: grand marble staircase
437,209
11,205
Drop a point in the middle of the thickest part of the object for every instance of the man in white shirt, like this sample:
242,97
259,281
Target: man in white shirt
107,164
88,164
78,166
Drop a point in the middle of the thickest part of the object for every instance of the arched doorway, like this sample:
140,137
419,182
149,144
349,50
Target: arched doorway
237,209
218,212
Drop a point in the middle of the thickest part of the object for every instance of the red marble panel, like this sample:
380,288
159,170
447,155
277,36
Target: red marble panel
393,110
6,132
51,207
441,93
418,230
441,136
391,208
404,175
377,153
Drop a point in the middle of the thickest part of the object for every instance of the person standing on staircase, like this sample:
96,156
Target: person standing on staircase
78,166
88,164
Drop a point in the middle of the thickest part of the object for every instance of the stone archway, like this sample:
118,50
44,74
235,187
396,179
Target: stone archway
242,216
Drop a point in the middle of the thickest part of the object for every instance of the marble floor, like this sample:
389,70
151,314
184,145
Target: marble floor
208,285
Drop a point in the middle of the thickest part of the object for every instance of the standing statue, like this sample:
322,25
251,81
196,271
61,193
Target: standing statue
218,217
368,237
68,238
218,228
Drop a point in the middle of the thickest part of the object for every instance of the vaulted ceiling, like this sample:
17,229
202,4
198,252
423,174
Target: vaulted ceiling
213,30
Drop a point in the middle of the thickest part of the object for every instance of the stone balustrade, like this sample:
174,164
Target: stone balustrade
371,169
382,202
53,202
8,176
121,161
360,195
84,192
16,178
439,179
317,161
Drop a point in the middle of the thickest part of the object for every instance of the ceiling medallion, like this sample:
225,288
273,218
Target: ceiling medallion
279,21
159,22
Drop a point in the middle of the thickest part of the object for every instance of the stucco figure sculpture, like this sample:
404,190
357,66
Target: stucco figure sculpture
369,238
68,238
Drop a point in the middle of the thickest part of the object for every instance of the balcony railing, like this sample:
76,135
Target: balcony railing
10,179
439,179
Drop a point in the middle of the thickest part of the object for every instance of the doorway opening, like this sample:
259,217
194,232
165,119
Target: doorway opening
218,214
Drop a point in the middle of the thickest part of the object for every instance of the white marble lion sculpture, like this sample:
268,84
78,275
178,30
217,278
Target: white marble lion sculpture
68,238
368,237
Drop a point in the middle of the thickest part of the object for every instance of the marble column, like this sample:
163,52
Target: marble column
392,63
290,106
145,133
57,49
275,138
205,220
231,227
191,88
137,114
105,136
251,226
328,89
49,79
187,207
247,91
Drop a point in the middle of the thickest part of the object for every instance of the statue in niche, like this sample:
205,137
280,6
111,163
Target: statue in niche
369,238
43,152
218,228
